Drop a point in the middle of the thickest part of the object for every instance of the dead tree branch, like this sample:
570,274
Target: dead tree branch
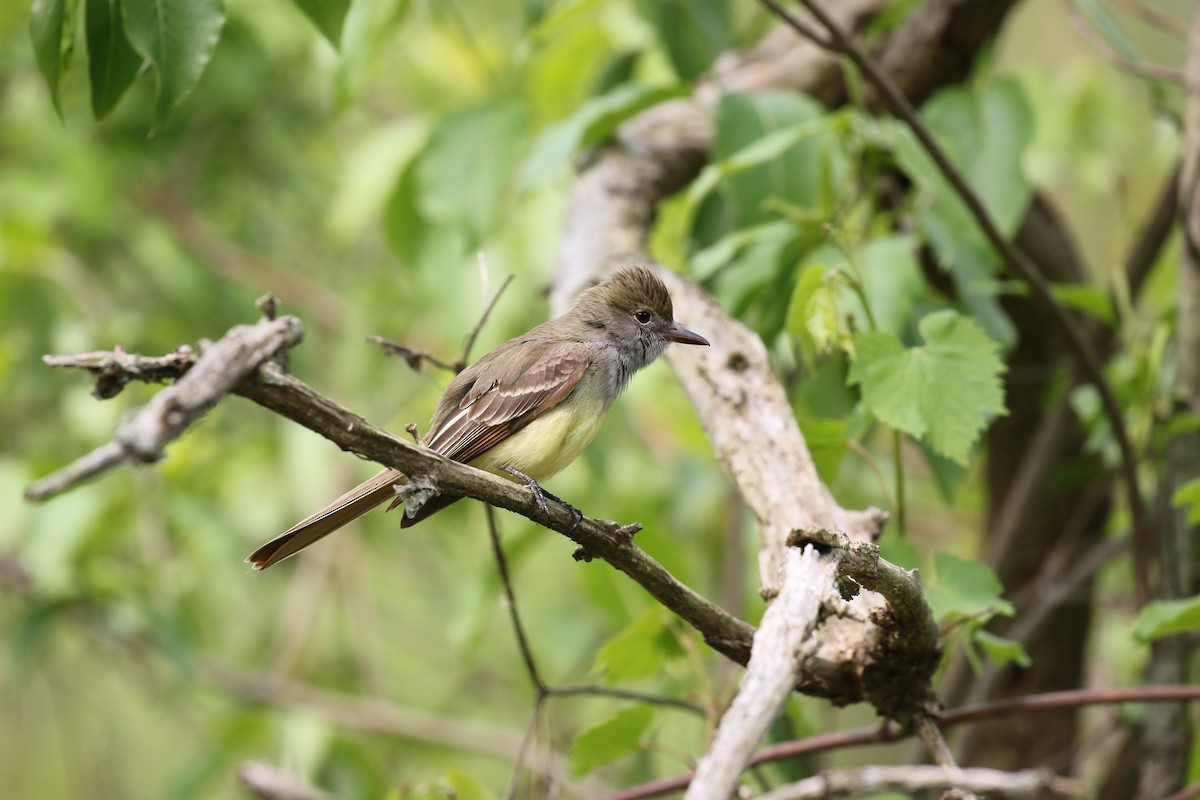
919,779
142,440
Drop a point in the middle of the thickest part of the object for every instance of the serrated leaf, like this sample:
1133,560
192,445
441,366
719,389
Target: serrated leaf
640,650
1189,495
52,30
1002,651
943,391
178,38
611,739
1167,617
112,61
327,15
964,588
592,123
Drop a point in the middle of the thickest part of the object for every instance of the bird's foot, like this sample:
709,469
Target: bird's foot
542,496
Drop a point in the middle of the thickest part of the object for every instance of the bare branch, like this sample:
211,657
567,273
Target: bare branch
510,599
414,357
921,779
213,375
483,318
411,356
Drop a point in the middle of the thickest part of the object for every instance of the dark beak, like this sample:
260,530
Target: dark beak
684,336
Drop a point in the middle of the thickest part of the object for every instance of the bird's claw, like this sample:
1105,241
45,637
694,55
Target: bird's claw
541,496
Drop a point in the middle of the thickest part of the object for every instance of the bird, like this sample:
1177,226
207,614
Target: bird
529,407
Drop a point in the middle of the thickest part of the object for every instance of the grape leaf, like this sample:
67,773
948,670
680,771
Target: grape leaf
942,391
965,588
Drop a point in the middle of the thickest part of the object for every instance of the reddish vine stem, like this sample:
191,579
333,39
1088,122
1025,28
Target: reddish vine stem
882,734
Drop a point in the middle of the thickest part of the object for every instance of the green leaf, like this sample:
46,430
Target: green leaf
465,787
1189,495
620,734
1089,299
593,122
178,38
963,589
52,29
813,313
694,32
943,391
463,173
112,61
826,440
985,130
1002,651
774,146
327,15
640,650
900,552
1166,617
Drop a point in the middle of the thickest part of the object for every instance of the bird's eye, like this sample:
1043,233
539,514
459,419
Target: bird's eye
642,316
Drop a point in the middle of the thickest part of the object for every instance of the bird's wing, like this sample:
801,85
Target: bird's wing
498,405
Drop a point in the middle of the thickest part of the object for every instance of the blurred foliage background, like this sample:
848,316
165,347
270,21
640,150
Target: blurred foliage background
143,659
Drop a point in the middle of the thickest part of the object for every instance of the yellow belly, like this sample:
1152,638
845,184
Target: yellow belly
544,447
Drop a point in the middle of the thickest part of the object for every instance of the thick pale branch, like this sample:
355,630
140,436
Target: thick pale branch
776,661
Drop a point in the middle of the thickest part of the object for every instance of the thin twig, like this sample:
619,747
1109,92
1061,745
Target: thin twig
510,599
1016,259
931,736
415,358
625,694
1141,69
514,783
474,334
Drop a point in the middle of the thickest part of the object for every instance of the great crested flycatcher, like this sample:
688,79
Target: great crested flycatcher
528,408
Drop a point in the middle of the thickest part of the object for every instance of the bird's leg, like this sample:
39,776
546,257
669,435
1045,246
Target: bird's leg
541,496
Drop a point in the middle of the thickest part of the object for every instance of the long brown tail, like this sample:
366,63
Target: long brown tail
352,505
